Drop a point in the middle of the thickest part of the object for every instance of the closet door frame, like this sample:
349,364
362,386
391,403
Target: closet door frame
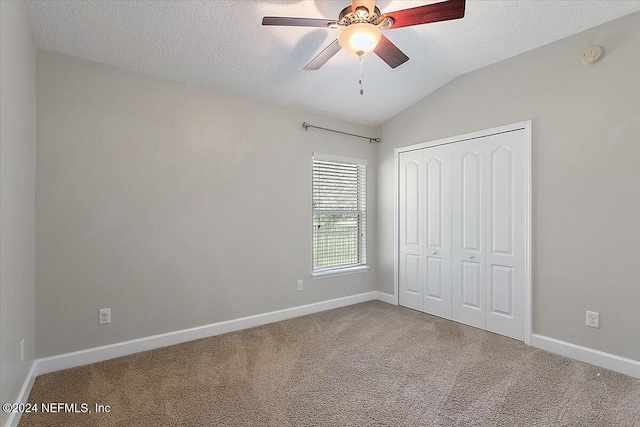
526,126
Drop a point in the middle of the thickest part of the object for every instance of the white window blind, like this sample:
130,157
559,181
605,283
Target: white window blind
339,213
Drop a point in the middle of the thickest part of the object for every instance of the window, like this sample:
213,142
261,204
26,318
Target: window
339,214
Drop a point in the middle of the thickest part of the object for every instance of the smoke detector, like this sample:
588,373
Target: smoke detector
591,54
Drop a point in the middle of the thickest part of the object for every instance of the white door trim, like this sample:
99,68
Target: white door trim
526,126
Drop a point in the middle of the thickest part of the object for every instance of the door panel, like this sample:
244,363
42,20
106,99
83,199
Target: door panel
502,186
412,277
411,223
505,226
434,202
434,278
471,197
502,290
438,231
472,285
467,235
412,211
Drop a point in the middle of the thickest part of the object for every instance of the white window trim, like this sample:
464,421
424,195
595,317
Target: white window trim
334,158
360,268
324,274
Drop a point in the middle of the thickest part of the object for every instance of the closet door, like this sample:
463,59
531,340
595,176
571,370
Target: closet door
468,236
437,295
505,231
411,261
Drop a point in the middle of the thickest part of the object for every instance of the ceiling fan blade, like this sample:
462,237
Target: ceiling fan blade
370,5
436,12
323,56
296,22
390,53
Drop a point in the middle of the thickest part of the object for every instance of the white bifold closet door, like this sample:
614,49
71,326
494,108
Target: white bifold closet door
468,233
412,271
505,227
437,295
425,231
462,232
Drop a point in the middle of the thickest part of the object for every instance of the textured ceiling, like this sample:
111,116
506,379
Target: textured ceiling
222,45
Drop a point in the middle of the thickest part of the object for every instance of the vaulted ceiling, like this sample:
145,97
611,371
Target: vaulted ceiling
222,45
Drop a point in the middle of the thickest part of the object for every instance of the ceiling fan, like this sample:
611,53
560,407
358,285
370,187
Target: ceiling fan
361,26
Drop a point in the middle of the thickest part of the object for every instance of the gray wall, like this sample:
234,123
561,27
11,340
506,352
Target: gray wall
17,186
586,179
174,205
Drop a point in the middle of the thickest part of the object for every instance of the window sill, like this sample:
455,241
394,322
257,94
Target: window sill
339,272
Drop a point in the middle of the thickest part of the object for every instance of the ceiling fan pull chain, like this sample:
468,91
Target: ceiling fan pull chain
360,80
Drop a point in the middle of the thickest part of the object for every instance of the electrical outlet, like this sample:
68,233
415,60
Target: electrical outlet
104,316
300,285
22,350
593,319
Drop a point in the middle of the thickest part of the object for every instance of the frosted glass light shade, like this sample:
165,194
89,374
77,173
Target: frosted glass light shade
359,39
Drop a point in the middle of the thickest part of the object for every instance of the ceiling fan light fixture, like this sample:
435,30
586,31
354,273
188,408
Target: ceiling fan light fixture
359,39
385,23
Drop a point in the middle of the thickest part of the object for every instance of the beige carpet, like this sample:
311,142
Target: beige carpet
370,364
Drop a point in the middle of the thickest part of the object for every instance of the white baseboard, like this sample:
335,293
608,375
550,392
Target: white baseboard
587,355
14,417
99,354
385,297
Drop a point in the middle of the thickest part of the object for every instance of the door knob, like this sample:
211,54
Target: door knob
470,256
435,252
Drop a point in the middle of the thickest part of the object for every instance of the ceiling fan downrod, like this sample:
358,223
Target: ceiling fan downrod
360,79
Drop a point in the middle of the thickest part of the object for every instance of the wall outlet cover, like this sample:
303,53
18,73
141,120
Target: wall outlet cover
593,319
104,316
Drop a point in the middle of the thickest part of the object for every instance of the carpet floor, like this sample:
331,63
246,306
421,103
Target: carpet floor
370,364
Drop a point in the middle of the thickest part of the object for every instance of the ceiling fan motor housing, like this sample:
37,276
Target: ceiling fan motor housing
360,15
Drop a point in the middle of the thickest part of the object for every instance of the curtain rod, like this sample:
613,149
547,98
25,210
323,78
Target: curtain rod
306,127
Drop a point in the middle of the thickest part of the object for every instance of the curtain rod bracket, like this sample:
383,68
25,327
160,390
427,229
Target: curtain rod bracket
306,127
